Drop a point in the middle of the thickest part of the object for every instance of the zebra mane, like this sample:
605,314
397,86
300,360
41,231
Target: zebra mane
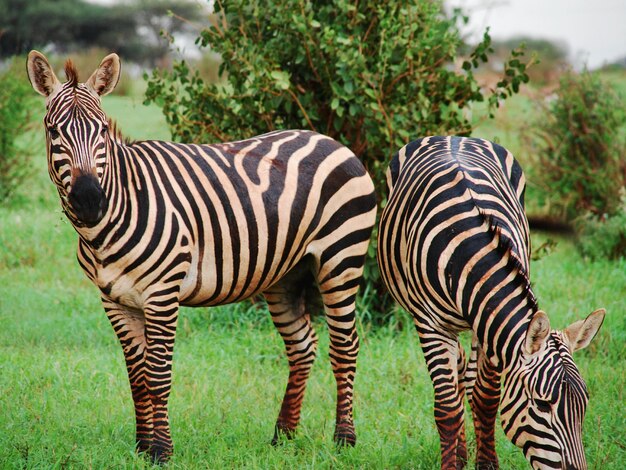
117,135
71,73
505,247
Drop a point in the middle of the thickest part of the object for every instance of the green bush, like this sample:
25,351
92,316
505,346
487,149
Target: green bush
373,75
606,237
578,148
17,102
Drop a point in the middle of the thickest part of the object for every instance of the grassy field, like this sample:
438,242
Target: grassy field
64,397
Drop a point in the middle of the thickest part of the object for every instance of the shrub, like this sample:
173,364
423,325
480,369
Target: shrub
604,238
551,55
17,102
578,148
373,75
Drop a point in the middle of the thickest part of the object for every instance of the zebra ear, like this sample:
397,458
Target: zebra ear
579,334
106,76
538,331
40,74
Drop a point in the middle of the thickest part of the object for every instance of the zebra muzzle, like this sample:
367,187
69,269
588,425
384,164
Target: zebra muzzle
87,199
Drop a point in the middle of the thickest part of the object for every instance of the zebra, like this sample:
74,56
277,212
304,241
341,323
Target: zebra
453,250
162,225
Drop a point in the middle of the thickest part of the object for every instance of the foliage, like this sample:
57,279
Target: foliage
604,238
131,28
16,103
579,147
372,75
552,56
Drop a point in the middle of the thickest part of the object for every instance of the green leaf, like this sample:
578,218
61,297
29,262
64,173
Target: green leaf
281,79
369,92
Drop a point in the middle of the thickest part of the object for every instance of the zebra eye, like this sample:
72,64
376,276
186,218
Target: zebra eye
54,133
543,405
104,130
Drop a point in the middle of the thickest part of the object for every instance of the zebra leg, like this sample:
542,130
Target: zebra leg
484,401
469,378
294,325
129,326
161,319
339,306
442,358
461,365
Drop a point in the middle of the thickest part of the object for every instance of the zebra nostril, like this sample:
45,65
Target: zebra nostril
74,201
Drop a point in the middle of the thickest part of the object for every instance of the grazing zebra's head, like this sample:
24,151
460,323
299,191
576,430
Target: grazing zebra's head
545,397
76,133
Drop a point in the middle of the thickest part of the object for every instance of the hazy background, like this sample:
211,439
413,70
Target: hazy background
594,31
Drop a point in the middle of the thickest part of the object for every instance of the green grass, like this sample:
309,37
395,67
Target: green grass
65,400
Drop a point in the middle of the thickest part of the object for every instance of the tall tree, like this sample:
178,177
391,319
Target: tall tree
131,28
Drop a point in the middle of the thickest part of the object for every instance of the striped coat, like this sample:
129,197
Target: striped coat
162,224
453,249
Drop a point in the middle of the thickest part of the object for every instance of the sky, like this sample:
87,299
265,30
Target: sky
594,30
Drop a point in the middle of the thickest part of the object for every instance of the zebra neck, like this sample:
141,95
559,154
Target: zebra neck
502,331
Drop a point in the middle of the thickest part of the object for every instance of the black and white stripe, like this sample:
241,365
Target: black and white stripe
163,224
453,249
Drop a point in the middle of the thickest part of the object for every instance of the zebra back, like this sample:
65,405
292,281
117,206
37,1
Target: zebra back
456,208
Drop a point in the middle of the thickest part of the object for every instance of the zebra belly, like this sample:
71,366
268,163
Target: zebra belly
233,275
205,286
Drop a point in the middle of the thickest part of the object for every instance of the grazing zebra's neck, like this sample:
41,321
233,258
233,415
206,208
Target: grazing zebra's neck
502,327
503,306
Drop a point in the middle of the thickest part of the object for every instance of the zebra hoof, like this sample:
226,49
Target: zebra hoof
281,434
160,455
143,446
487,465
345,436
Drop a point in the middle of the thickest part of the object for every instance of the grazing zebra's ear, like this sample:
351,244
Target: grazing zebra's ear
538,331
106,76
580,333
40,74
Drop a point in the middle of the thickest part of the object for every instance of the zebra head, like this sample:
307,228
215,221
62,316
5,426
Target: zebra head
76,133
545,397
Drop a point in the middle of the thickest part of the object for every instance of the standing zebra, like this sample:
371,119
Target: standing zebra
453,249
162,224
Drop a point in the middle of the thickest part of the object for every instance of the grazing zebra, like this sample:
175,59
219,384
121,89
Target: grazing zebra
453,249
162,224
